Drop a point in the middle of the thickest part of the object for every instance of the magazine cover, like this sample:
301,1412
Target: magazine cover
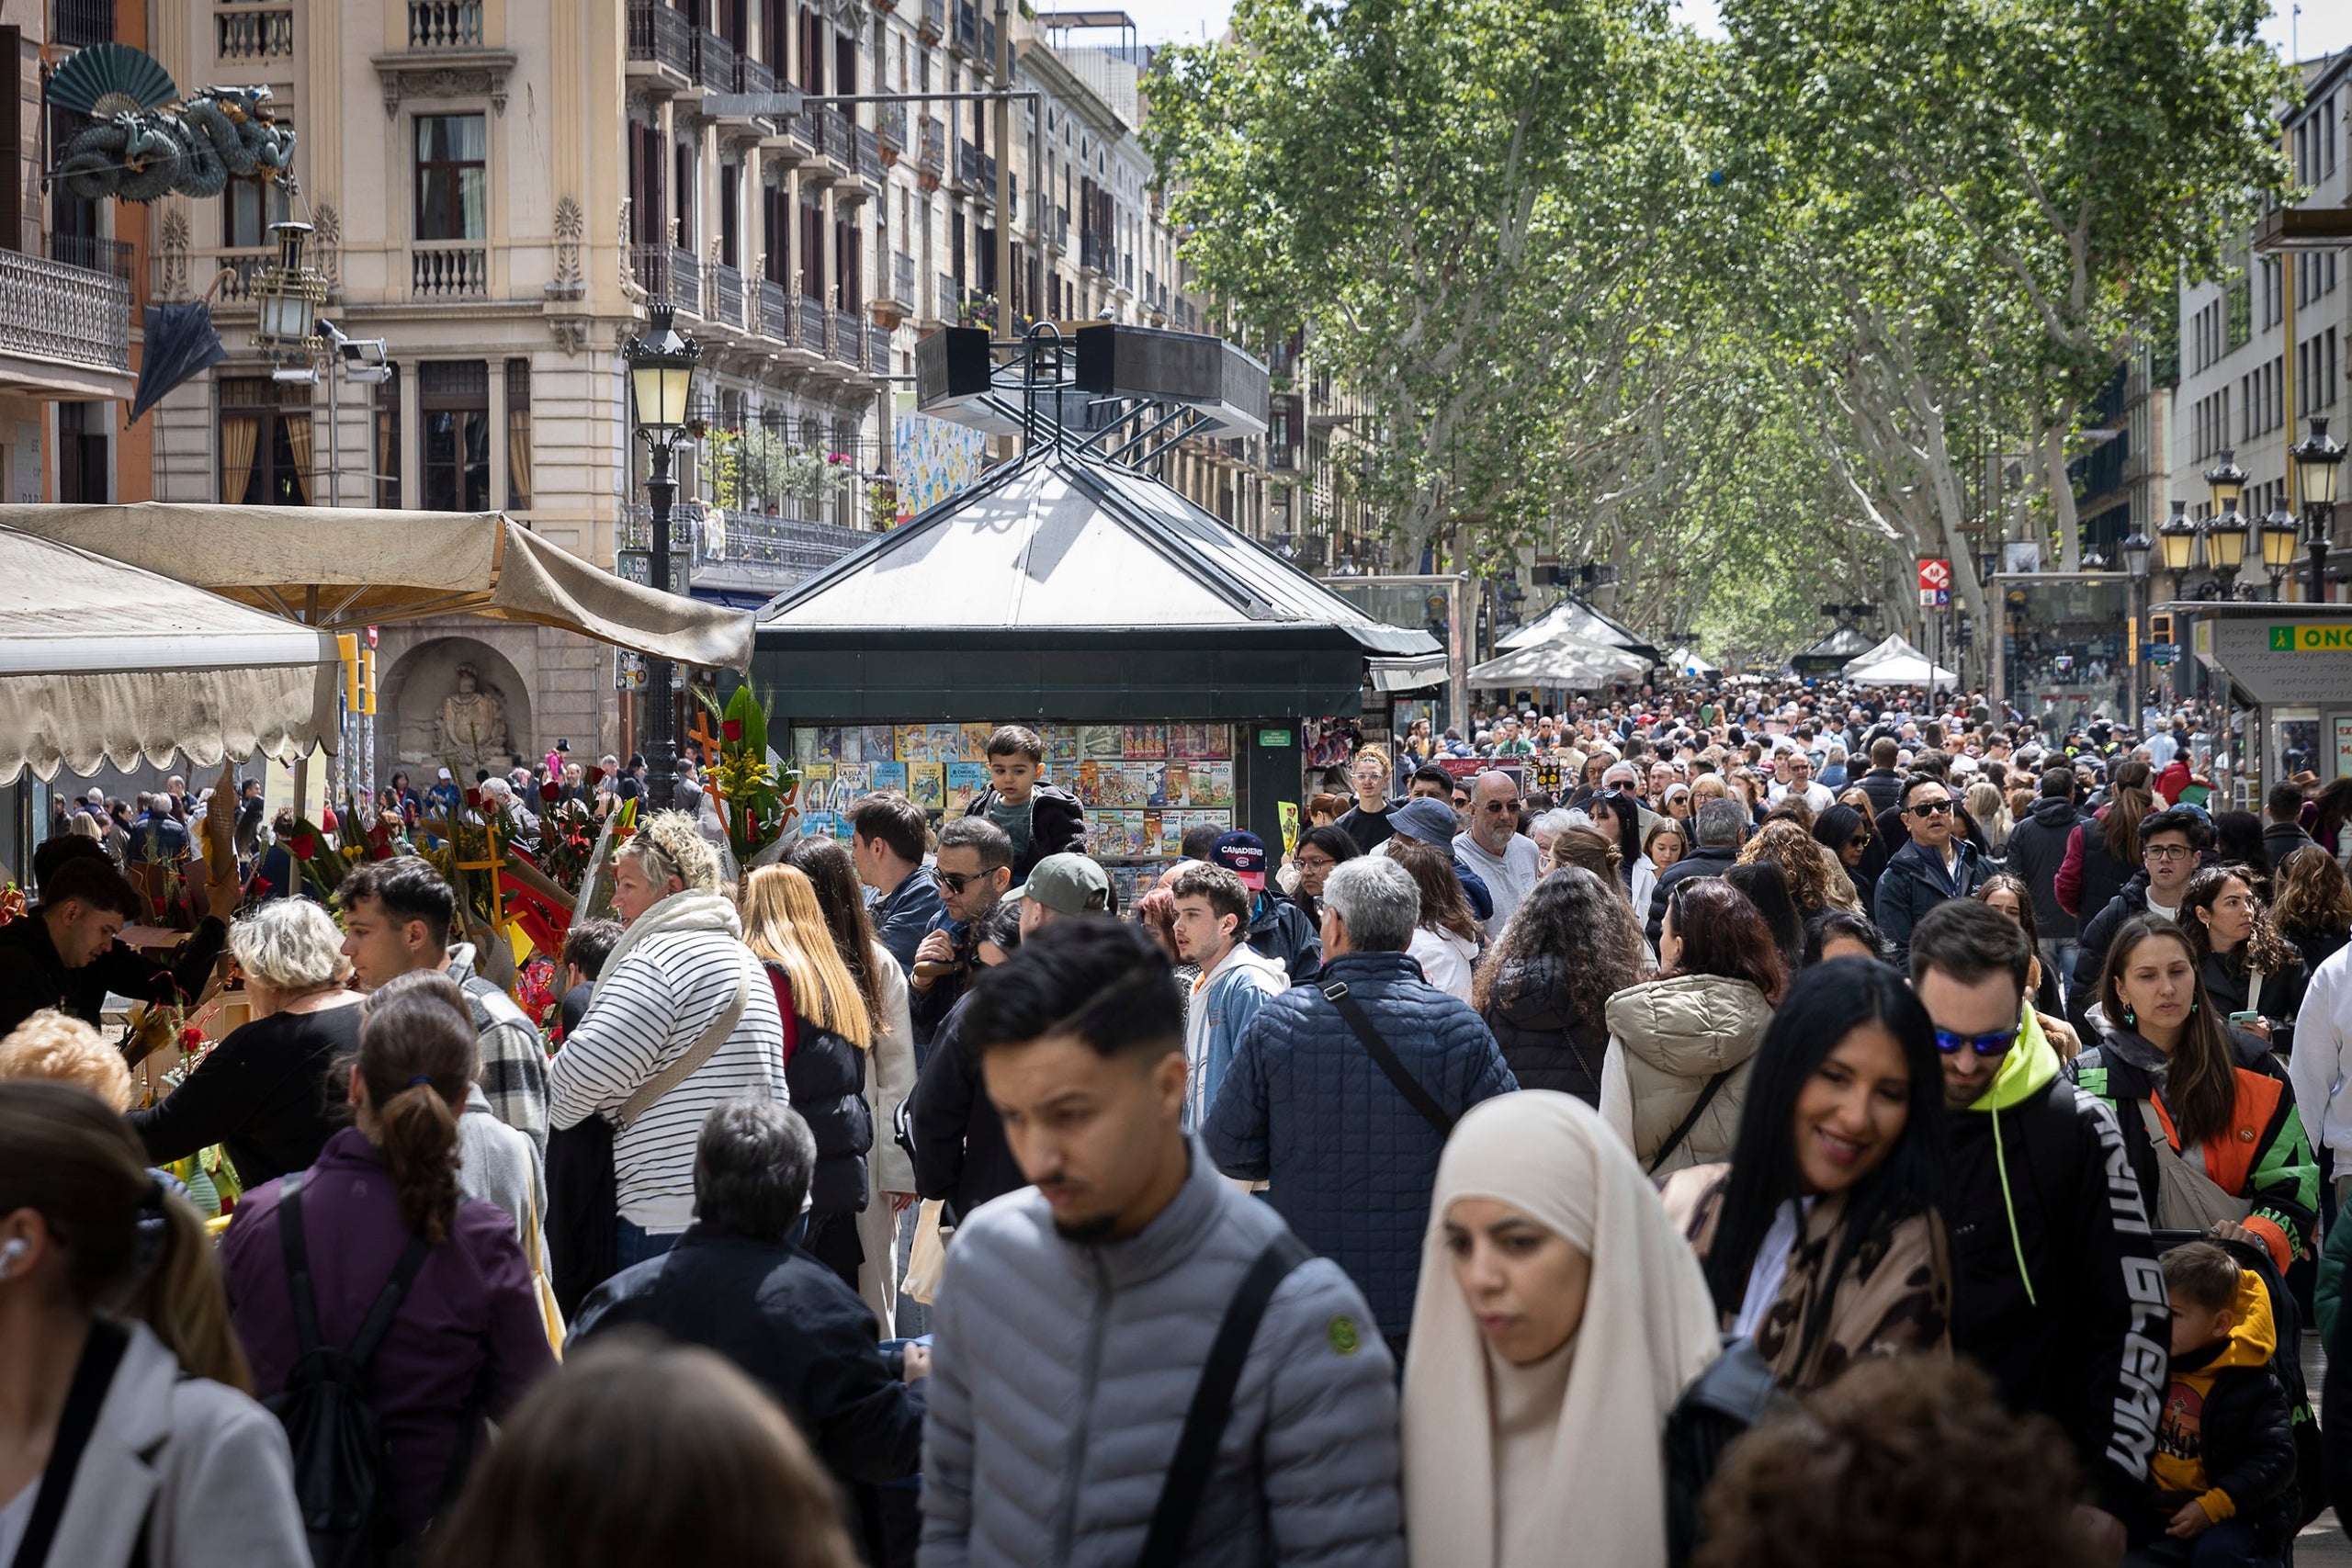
965,782
1062,745
804,745
1172,783
1099,741
852,779
1188,740
914,743
816,781
1220,820
877,743
817,825
927,785
1209,784
1143,740
889,776
830,742
1141,832
946,742
972,742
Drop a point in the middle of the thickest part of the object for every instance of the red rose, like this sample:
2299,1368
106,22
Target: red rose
261,884
191,1037
473,799
303,846
550,791
730,729
595,775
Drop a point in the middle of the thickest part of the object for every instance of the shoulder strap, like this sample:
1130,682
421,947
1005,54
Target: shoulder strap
372,1329
293,1244
650,1093
1212,1406
1407,1084
101,1354
1690,1119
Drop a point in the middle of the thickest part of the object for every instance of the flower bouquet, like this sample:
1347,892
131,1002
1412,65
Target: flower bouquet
756,789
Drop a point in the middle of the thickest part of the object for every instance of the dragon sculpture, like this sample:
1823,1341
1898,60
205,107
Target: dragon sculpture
145,142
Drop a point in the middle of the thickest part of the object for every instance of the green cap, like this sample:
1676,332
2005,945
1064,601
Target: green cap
1067,884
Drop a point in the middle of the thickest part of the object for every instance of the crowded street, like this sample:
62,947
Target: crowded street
1584,802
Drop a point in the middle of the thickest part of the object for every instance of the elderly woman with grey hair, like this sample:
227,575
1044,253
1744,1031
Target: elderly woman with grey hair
263,1093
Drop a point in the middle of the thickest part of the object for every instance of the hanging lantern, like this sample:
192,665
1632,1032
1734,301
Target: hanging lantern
287,294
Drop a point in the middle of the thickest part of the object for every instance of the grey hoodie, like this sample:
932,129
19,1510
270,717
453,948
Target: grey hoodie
1061,1373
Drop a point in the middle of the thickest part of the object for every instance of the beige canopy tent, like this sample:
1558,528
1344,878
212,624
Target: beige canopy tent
353,566
104,662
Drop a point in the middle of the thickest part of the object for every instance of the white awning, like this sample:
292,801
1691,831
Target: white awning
1566,661
105,662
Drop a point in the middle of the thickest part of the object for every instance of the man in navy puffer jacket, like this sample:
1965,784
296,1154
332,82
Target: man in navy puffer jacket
1305,1107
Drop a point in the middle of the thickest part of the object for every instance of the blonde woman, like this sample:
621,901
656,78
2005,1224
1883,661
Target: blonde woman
827,1032
1992,813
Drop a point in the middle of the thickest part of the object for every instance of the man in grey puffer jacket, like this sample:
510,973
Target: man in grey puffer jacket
1075,1316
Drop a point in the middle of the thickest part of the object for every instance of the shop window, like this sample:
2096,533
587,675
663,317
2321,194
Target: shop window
388,443
518,435
452,181
265,446
456,407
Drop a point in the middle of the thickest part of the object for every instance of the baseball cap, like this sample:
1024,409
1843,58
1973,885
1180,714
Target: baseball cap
1422,818
1067,884
1244,854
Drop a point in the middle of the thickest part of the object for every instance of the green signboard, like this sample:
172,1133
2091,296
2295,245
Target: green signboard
1273,738
2311,639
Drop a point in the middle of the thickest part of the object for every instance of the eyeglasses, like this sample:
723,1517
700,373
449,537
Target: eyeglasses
1931,808
1859,841
2167,851
955,881
1991,1045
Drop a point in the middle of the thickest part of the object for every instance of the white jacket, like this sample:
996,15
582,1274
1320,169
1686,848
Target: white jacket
1446,960
2320,1067
203,1467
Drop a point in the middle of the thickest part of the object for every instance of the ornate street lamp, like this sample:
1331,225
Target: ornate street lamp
661,380
2280,539
2226,482
2319,461
2224,533
286,293
2136,549
2177,540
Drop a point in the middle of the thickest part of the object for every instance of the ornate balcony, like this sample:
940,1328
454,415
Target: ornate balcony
64,330
444,270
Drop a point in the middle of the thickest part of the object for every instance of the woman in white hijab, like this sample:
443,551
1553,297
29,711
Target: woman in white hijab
1560,1315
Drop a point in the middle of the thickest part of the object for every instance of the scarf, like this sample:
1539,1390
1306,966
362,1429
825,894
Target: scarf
685,910
1487,1482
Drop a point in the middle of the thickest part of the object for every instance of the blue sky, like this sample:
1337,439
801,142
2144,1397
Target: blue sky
2324,26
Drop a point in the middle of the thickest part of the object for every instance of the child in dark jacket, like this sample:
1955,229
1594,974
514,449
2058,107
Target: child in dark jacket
2225,1465
1040,819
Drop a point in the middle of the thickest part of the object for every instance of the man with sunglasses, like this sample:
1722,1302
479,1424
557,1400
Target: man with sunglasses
974,868
2056,1292
1937,864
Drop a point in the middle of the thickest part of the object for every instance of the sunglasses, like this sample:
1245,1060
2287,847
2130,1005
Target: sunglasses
1859,841
1932,809
1991,1045
955,881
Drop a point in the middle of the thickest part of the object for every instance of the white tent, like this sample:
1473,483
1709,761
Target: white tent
104,662
1685,661
1570,662
1895,663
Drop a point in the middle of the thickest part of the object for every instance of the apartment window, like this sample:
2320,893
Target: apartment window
683,157
452,182
247,209
456,405
265,448
518,436
2241,312
731,236
388,443
81,453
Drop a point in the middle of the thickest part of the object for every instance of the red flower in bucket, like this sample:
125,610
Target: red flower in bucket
730,729
304,846
595,775
551,790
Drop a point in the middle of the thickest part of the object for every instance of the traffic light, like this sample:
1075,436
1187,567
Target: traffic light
2160,626
347,645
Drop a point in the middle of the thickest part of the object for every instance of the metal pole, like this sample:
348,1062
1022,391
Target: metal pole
2322,522
662,726
335,436
1003,139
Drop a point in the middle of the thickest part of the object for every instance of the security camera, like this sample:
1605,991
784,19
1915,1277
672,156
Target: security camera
364,353
296,375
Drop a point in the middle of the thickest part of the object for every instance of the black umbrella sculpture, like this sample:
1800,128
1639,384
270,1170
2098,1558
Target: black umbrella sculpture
181,343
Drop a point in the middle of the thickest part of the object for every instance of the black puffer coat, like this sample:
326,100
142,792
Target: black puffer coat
1546,1042
825,1075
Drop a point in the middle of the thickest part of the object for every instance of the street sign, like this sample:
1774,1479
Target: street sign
1935,582
2162,653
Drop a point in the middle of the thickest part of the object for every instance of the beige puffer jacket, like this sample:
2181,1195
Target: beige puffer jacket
1667,1038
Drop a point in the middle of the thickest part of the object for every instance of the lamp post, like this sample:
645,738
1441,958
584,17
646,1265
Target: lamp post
660,376
2319,461
2177,541
2136,548
2280,539
2224,532
286,293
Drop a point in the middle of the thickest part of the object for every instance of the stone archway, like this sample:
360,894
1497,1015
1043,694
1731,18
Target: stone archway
413,697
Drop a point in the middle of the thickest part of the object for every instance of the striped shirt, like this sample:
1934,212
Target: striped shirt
647,1011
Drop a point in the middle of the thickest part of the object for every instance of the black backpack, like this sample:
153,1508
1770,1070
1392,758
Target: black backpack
341,1457
1737,1391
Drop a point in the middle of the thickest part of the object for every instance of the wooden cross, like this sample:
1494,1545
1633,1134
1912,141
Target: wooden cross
702,734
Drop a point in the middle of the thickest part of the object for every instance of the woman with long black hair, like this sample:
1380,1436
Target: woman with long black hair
1845,833
1822,1238
1614,813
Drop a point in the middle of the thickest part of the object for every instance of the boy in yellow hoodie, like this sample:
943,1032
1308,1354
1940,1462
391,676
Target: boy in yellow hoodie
2224,1466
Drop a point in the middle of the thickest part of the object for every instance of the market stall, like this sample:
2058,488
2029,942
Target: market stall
1829,654
1895,663
2287,673
1574,616
1564,662
1166,660
1687,663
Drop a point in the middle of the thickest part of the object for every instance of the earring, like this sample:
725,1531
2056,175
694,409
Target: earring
16,1246
2127,1016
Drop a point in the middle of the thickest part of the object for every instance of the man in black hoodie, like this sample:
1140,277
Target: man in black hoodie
2056,1290
2171,844
1882,783
2037,848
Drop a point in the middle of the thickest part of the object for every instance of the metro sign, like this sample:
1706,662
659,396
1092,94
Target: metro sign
1935,583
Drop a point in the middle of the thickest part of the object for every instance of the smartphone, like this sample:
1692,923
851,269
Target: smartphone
2245,1017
